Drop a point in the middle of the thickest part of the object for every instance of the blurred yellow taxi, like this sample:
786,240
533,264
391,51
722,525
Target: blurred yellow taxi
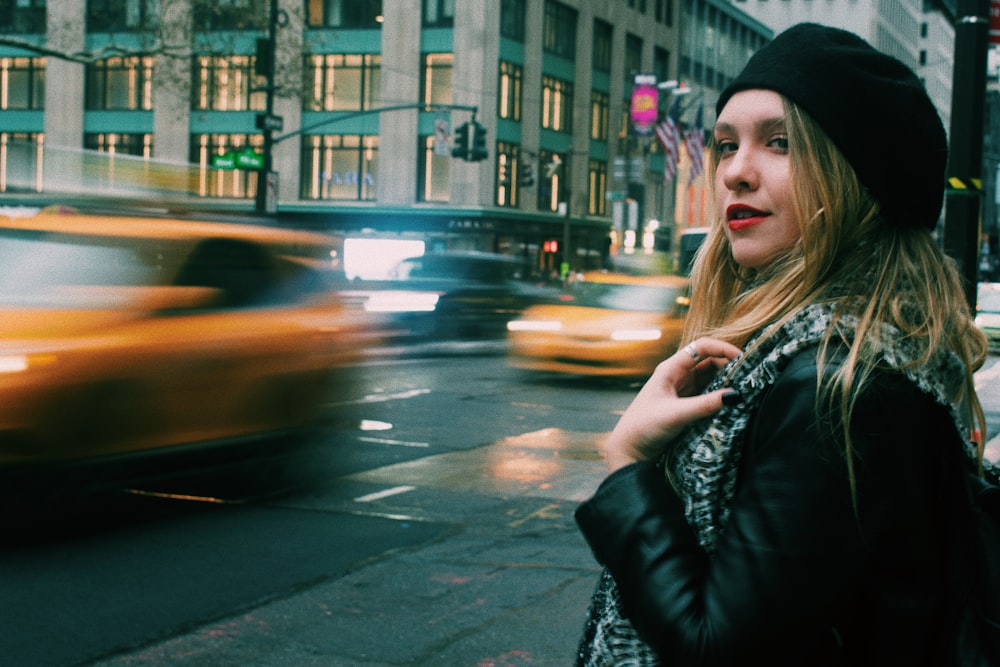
128,336
607,325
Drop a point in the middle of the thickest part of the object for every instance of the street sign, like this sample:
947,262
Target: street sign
249,159
442,132
224,161
271,194
270,122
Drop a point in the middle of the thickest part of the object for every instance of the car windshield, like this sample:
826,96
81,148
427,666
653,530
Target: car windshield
486,270
989,300
36,267
644,298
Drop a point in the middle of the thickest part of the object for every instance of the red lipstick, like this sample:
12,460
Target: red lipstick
741,216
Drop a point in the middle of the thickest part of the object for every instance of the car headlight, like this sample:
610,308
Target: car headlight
534,325
18,363
402,302
636,334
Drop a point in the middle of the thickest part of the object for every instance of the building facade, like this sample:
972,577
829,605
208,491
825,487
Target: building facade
359,118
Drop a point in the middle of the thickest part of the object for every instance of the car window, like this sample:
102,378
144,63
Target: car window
243,272
443,267
35,266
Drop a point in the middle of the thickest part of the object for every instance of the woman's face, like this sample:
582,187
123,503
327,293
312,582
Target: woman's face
753,182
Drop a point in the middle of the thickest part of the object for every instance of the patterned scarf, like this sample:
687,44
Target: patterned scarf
707,460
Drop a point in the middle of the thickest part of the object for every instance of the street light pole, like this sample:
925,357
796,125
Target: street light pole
964,193
267,179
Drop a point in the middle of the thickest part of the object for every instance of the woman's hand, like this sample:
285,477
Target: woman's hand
669,401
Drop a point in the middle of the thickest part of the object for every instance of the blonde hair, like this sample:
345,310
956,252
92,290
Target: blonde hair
894,277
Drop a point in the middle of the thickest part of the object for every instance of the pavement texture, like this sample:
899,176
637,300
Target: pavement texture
507,586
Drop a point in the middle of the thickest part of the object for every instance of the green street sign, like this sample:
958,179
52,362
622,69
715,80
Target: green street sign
249,159
224,161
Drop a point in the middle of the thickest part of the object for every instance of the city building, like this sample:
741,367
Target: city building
355,132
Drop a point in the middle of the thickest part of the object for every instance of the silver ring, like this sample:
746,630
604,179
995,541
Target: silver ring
693,351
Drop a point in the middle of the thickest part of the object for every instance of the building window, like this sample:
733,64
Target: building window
22,16
120,15
22,83
341,82
437,78
661,63
552,181
21,161
213,15
600,110
239,183
125,160
512,19
633,59
120,83
559,30
336,166
510,174
603,33
226,83
664,12
439,13
344,13
557,104
597,188
509,98
433,173
140,145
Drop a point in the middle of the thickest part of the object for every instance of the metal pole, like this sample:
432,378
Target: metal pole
964,192
263,204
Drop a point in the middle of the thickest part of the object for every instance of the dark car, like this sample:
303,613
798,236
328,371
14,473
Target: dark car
454,295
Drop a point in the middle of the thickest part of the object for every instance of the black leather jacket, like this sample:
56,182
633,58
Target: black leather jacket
799,577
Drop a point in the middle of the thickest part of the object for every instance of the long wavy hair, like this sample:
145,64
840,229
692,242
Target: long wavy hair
885,277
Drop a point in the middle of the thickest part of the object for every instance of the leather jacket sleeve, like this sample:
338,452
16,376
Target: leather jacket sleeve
794,558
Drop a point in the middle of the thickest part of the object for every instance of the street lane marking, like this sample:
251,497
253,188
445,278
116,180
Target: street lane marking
387,441
382,398
385,493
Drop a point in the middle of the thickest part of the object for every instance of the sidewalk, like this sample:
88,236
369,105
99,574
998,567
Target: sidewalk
509,586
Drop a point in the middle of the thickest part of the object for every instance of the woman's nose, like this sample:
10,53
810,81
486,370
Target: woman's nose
738,171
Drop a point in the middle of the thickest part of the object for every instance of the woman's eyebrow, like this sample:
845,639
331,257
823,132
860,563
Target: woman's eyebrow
766,124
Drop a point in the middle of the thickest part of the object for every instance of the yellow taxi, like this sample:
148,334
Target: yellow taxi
608,324
127,336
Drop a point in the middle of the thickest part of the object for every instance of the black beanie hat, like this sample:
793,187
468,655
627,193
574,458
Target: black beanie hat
872,106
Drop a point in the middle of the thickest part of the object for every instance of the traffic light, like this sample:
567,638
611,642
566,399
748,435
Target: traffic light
478,152
263,63
461,148
527,179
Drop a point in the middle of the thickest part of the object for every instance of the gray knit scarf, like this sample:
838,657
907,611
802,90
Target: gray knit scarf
708,455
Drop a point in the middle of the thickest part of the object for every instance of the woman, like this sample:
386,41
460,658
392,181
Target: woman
783,490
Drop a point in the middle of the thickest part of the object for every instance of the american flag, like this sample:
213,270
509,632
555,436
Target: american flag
694,139
669,134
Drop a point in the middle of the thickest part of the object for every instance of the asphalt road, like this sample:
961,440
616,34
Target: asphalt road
432,525
434,512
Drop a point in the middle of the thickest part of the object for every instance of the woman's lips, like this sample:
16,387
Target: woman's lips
740,217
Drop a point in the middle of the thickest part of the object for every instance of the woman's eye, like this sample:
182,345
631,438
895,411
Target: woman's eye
724,146
781,143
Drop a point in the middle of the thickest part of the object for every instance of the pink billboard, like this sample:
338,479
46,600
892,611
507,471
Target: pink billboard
645,104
